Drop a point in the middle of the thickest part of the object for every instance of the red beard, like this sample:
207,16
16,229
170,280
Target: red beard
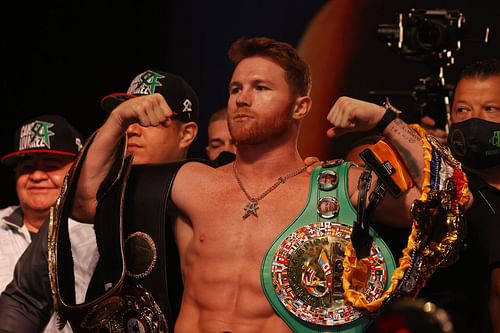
259,130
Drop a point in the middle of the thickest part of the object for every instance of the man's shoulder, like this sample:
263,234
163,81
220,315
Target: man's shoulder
198,164
475,181
198,172
11,215
8,210
195,181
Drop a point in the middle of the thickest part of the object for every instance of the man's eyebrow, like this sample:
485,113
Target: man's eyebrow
216,140
257,81
253,82
234,83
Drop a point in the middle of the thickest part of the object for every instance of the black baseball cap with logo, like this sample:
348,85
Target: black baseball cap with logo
48,134
177,92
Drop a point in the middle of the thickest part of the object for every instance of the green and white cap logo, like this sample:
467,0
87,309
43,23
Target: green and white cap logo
145,83
35,135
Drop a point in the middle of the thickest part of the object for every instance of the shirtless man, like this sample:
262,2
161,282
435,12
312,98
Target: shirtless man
229,216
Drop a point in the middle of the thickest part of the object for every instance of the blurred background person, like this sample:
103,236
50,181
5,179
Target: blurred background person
45,148
219,138
470,289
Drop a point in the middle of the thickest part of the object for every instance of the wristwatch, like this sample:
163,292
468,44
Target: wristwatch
390,114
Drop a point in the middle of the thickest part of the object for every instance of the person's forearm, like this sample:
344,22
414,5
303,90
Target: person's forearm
95,167
408,144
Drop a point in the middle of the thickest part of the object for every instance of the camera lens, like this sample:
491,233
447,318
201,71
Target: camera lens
430,36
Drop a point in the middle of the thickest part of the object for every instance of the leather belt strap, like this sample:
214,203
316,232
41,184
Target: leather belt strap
132,227
360,236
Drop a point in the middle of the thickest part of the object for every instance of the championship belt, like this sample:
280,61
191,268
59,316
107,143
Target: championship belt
152,267
438,222
118,308
137,284
302,271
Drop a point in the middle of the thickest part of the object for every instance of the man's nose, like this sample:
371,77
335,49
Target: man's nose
244,98
38,174
134,129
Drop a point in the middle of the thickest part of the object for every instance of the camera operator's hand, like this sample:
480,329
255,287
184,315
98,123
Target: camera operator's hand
430,126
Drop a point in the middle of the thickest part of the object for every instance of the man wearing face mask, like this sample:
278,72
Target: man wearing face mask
470,289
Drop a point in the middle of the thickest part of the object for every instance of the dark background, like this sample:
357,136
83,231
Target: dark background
63,56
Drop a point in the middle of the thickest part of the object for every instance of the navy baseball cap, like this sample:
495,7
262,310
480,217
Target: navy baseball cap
48,134
177,92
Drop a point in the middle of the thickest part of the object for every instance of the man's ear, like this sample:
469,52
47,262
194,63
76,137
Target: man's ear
302,107
188,134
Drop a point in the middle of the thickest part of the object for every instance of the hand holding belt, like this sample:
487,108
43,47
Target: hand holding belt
392,175
440,208
361,238
112,305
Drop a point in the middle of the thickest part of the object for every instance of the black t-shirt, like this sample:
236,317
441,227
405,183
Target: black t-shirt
484,214
463,288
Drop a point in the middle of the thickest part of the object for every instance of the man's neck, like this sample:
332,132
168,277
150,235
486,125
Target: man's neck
34,221
269,163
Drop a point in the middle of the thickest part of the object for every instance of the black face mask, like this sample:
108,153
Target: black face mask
476,143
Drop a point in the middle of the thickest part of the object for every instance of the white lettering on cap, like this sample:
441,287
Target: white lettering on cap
35,135
187,106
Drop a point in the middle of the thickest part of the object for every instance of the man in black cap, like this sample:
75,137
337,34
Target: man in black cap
44,150
145,142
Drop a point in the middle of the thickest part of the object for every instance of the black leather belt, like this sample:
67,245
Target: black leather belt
137,284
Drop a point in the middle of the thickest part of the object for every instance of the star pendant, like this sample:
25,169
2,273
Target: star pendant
251,209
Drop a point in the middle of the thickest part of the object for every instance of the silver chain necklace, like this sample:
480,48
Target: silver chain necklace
253,202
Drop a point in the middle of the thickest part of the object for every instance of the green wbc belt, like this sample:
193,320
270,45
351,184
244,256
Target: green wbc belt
301,273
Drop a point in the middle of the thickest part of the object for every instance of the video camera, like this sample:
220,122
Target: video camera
425,35
429,36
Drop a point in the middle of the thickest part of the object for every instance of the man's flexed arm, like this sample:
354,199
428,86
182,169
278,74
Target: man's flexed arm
418,154
406,156
148,110
350,115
